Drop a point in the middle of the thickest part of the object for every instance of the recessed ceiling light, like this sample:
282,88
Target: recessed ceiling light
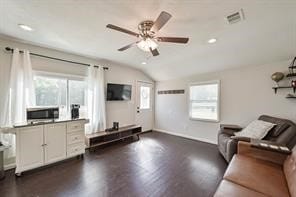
25,27
212,40
144,63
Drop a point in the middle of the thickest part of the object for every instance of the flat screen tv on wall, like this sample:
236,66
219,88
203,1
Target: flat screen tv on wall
118,92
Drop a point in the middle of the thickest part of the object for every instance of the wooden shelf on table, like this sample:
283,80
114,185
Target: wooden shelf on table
105,137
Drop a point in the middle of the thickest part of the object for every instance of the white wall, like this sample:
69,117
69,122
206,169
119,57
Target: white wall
246,93
121,111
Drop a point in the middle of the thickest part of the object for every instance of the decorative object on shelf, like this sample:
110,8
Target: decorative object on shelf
115,125
293,83
292,68
277,77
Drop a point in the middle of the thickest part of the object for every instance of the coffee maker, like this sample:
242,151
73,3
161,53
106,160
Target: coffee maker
75,111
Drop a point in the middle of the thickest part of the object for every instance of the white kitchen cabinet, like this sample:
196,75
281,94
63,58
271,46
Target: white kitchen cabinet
55,146
75,138
48,143
30,151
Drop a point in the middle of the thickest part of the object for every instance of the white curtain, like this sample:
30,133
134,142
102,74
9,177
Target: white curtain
20,95
96,100
21,86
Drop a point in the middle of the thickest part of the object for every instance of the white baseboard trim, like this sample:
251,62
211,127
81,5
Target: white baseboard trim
185,136
9,166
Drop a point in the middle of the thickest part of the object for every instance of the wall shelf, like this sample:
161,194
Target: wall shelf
291,97
283,87
291,75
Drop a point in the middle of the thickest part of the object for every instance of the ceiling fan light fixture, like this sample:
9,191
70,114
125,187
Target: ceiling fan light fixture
25,27
145,45
147,40
212,40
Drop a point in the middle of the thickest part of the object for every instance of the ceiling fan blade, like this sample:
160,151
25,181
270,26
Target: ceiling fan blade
173,39
161,21
128,46
154,52
114,27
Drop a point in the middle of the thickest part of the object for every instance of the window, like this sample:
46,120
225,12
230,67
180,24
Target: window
61,91
77,95
204,101
145,97
51,92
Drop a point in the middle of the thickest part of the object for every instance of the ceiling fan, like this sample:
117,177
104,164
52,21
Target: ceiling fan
148,41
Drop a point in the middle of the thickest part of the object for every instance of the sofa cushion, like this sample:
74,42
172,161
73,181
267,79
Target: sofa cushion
290,172
229,189
281,125
259,175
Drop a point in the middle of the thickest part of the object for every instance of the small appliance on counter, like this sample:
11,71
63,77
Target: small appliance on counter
42,114
75,111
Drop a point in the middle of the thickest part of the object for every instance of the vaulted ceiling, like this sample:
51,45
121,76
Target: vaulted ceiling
267,34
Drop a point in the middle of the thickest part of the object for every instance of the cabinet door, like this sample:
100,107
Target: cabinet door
55,142
30,152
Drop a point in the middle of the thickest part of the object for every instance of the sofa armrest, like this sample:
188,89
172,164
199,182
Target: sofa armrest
233,127
241,138
229,129
246,149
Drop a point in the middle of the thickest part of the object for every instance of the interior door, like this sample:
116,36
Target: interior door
144,105
55,142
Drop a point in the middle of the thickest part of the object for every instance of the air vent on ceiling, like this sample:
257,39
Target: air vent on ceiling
236,17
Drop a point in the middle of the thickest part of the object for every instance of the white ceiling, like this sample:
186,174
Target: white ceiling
268,34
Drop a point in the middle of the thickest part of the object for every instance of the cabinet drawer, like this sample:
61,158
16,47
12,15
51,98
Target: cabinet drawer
75,126
75,149
61,126
77,137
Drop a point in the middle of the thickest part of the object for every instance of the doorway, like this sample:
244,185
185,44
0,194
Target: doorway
144,105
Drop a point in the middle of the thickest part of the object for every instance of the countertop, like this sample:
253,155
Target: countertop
28,124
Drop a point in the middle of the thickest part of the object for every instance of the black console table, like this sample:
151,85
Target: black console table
105,137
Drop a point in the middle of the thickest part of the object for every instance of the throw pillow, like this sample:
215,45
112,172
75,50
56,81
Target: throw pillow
256,129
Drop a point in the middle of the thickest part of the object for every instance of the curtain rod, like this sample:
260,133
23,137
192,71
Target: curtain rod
54,58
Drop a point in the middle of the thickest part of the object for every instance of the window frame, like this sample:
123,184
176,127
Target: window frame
67,77
218,82
149,96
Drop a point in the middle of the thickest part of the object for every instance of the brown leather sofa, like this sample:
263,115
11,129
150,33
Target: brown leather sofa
257,172
283,133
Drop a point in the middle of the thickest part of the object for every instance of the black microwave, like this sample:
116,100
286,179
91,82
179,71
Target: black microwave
44,113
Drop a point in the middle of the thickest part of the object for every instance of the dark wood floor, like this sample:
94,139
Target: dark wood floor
157,165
